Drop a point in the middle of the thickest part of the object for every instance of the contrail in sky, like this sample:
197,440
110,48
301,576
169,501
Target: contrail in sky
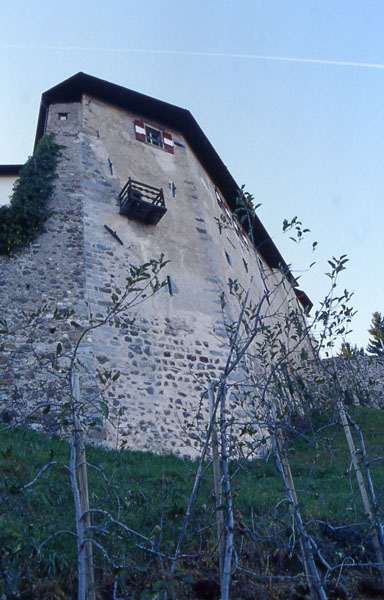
318,61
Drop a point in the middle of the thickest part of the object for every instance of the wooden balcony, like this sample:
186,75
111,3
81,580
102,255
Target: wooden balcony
142,202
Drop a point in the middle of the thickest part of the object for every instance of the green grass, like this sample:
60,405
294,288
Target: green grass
324,466
149,493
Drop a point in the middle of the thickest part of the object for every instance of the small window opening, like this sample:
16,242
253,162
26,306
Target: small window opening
169,283
233,245
172,187
153,136
244,239
228,258
245,265
63,116
219,199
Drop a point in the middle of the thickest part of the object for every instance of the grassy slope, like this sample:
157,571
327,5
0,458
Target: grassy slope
149,493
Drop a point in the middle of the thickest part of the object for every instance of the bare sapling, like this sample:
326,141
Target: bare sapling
336,315
79,482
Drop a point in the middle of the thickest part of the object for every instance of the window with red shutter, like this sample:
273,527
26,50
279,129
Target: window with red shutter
168,142
140,130
153,136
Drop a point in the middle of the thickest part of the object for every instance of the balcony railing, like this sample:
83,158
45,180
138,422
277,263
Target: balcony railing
142,202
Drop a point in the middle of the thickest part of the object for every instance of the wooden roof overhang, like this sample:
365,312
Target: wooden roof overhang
10,170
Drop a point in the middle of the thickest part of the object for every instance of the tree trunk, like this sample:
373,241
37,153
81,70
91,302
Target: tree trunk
315,587
81,564
228,511
217,483
83,520
374,533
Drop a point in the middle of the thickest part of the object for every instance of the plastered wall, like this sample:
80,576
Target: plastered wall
6,186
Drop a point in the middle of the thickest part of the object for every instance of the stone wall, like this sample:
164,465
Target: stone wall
177,343
357,380
46,276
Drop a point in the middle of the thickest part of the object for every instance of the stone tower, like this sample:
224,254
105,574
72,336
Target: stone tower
176,190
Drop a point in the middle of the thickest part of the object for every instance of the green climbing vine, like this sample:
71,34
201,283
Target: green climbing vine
23,220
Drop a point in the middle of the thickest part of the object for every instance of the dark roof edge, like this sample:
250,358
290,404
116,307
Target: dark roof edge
10,169
72,89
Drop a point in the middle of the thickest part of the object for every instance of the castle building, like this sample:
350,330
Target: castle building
138,178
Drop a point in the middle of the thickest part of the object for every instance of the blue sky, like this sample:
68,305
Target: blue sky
290,93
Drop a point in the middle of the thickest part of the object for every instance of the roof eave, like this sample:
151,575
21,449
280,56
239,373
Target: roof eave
10,169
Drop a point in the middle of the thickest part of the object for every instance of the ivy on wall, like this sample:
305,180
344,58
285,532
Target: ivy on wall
22,221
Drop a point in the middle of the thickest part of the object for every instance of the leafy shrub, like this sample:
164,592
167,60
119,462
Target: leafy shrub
22,221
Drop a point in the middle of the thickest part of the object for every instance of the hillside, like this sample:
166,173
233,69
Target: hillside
139,502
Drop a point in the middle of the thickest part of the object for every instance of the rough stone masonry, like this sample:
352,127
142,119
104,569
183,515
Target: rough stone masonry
177,344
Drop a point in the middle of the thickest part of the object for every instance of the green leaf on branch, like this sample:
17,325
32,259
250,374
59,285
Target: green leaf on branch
104,409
